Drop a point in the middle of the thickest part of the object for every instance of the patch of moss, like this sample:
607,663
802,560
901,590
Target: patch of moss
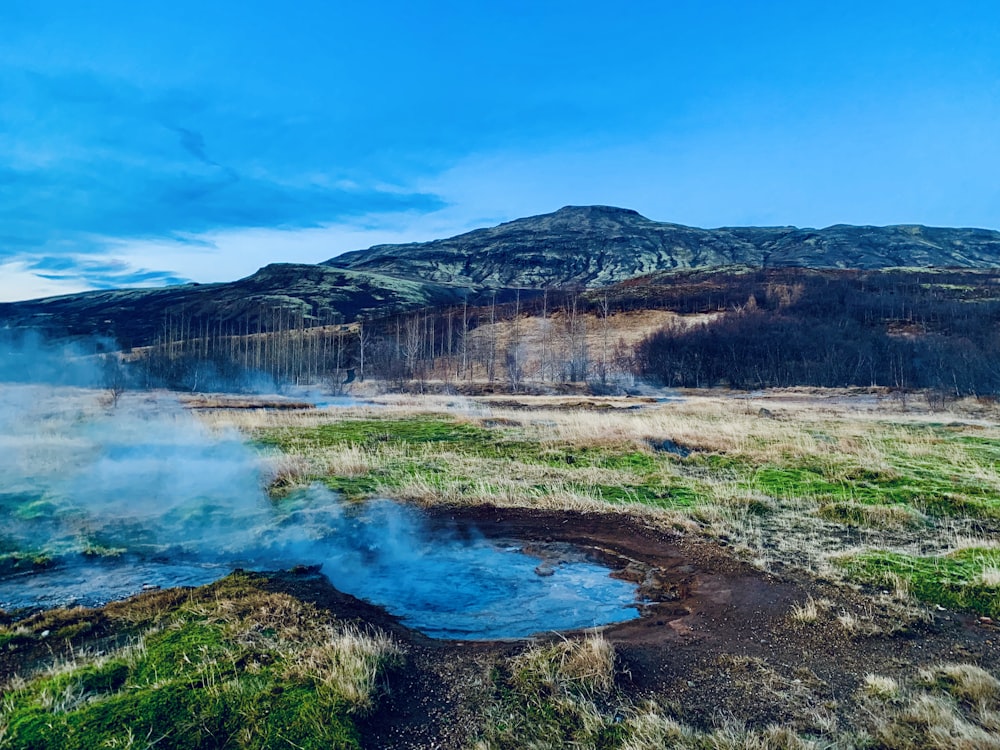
211,675
955,581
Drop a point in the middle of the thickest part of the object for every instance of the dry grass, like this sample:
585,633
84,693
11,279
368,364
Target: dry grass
584,666
810,610
880,686
845,439
966,682
948,706
990,577
348,663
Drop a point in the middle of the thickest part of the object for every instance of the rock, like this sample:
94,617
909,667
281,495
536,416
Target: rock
669,446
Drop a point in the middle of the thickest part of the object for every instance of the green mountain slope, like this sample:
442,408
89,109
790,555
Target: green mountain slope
599,245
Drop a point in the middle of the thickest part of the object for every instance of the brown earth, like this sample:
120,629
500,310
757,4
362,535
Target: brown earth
715,636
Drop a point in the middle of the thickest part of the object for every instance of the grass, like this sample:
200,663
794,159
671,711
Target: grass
401,457
798,487
946,706
565,694
962,579
232,667
899,493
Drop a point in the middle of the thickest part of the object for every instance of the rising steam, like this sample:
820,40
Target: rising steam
100,502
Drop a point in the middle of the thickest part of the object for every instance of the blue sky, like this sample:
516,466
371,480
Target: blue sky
155,142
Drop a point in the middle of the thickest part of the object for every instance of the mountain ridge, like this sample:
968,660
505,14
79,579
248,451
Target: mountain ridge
598,245
574,247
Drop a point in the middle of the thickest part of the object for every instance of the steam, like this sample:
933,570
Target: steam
27,357
101,502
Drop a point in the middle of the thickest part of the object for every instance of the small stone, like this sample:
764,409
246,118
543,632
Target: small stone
544,570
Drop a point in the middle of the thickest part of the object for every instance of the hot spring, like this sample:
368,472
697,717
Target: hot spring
446,585
99,506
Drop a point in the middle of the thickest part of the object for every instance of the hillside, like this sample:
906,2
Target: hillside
599,245
275,297
588,246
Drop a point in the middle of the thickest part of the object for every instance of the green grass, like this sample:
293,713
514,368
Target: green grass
841,488
432,449
237,669
954,580
913,482
369,432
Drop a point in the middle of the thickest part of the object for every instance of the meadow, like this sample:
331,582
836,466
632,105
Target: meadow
866,526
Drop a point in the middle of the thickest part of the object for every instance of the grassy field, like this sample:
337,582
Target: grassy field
893,502
228,666
877,495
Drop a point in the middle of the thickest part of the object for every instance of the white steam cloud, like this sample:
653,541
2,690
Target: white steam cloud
100,502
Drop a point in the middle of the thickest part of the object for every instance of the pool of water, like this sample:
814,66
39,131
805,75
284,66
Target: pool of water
445,583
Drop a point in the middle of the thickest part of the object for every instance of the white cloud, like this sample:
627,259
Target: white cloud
225,255
19,282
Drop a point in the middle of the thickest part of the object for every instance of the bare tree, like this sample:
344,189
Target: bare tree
114,378
604,308
364,341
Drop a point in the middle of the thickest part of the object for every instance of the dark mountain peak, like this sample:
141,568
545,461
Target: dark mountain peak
571,219
597,245
595,211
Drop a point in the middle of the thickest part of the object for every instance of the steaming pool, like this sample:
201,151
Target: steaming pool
451,583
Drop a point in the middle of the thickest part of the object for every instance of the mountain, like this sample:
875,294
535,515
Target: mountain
581,246
275,296
599,245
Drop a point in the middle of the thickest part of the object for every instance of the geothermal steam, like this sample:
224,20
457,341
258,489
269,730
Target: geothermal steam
101,502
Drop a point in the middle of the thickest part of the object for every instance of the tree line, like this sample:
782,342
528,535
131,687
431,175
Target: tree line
758,328
937,330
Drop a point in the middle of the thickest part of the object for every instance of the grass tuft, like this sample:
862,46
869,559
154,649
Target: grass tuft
231,666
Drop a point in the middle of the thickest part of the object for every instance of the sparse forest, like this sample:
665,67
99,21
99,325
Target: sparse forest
751,329
901,330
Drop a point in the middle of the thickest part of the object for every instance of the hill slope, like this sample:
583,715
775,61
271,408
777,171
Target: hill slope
590,246
599,245
280,290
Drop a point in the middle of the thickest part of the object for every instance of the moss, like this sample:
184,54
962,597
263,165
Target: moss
209,676
954,581
412,430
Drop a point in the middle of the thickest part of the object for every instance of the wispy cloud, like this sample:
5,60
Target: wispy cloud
94,160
